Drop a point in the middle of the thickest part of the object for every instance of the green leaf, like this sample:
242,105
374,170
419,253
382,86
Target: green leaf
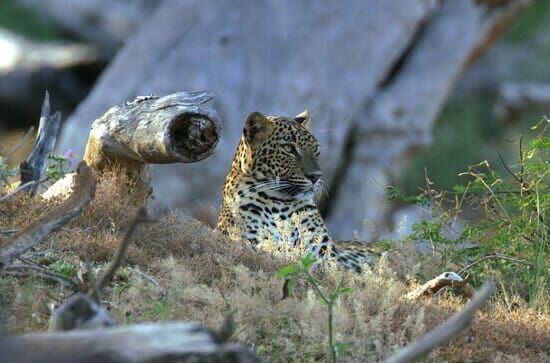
459,189
287,270
541,143
346,290
307,261
340,348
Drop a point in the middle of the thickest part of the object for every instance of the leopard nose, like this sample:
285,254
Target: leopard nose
314,176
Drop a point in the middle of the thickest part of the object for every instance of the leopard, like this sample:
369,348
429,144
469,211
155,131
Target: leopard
274,181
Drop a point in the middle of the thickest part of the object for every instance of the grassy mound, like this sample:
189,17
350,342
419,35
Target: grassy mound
180,269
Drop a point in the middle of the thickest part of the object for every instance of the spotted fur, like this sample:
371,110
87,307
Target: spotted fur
273,181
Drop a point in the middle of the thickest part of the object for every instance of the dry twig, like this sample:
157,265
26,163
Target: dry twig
34,271
493,256
29,184
140,217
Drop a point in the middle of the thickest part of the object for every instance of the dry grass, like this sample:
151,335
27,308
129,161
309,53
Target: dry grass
178,268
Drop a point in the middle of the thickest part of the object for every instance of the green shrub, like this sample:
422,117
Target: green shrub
512,236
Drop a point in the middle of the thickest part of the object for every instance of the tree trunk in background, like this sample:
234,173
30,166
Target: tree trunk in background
282,56
105,22
401,115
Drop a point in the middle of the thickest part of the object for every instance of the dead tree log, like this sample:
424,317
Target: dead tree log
33,167
143,343
177,128
81,197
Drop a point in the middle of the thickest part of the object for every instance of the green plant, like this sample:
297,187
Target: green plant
6,172
328,298
512,237
63,268
56,171
28,22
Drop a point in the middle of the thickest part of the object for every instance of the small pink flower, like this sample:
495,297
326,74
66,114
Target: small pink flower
70,155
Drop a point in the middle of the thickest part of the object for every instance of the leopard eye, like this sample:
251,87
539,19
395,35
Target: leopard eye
289,149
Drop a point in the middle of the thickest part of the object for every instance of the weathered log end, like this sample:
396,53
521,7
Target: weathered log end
178,128
191,137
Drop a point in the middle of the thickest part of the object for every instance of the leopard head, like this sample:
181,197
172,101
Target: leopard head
281,154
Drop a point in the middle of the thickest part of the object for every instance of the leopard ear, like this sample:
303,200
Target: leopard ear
303,119
257,128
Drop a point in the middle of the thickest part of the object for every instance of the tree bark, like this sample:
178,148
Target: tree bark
34,166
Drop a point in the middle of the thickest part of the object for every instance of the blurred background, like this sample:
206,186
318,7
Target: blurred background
397,89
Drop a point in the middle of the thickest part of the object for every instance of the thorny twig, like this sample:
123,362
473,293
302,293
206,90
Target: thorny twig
495,256
510,171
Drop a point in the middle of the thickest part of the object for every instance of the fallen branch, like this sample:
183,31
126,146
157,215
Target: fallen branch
445,279
22,187
33,167
444,332
32,269
32,235
144,343
29,271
